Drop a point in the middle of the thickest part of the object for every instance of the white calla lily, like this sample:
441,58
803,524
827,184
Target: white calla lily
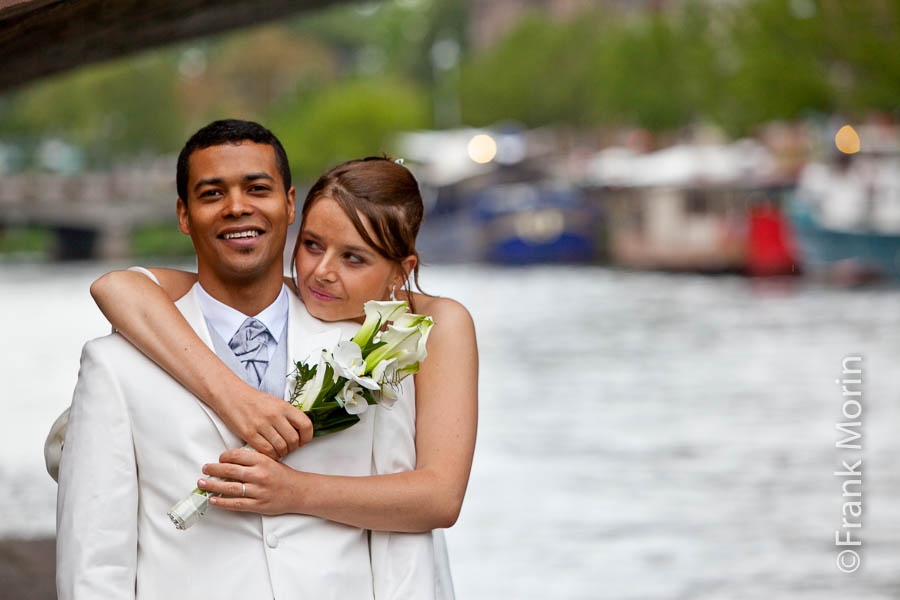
409,320
388,375
352,399
385,370
404,340
347,362
311,388
377,314
395,341
423,324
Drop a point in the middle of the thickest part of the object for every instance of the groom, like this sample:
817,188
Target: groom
136,439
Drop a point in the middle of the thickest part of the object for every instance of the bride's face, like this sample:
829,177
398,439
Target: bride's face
337,272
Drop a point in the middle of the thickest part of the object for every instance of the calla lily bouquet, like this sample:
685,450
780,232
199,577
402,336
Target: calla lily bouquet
342,382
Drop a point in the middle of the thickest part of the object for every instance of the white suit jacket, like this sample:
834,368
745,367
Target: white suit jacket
135,443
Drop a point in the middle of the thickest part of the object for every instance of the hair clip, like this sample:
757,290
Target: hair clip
399,161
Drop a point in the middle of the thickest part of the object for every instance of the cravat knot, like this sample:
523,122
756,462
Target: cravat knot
250,346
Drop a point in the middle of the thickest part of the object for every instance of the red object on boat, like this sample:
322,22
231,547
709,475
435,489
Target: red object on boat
771,250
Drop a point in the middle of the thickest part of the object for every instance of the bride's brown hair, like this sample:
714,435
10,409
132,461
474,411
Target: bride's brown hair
387,194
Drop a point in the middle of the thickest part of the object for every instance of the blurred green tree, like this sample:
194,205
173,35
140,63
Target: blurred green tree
338,82
736,64
776,66
862,40
244,74
598,68
536,75
655,72
349,119
121,108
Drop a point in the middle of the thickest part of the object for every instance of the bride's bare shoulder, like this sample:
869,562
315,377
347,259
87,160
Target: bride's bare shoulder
176,283
443,310
452,340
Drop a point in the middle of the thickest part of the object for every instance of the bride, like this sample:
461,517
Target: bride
356,243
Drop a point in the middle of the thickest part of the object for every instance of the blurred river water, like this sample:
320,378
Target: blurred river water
641,435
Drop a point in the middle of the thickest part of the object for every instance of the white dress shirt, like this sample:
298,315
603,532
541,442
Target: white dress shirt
227,320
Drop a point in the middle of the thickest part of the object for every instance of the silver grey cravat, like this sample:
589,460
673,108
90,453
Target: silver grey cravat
250,346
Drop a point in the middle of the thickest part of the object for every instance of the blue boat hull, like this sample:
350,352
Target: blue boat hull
823,248
569,247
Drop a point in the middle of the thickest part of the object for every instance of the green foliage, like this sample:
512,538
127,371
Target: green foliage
387,38
653,73
302,374
330,417
160,240
864,40
347,120
126,106
248,72
337,83
598,68
308,79
735,64
779,68
536,75
25,240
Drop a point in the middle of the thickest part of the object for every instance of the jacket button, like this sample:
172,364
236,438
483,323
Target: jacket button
272,540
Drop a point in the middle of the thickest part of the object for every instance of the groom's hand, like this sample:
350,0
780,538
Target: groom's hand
269,424
258,483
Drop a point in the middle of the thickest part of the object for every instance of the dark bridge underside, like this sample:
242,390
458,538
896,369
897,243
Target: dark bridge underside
42,37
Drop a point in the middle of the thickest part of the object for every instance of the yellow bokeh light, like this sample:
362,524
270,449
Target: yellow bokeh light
482,148
847,140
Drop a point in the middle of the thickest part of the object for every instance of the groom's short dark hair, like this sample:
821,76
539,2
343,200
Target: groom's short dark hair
229,131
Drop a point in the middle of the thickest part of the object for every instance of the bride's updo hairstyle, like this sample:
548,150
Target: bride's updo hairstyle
387,194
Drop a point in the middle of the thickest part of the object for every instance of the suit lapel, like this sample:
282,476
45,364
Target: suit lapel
190,309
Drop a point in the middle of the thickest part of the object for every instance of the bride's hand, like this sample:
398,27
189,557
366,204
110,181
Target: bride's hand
269,424
257,483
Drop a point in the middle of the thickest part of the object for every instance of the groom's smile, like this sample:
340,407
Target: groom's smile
242,238
237,213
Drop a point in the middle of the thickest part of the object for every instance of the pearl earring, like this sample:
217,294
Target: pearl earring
393,292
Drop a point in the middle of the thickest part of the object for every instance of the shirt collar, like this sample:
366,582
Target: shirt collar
226,320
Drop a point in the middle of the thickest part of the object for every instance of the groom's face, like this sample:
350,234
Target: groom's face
237,212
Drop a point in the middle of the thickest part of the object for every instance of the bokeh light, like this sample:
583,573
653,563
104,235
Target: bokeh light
847,140
482,148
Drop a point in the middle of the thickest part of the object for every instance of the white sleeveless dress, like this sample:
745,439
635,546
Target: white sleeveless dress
405,565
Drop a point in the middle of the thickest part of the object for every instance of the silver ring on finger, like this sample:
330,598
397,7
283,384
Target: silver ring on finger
243,490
